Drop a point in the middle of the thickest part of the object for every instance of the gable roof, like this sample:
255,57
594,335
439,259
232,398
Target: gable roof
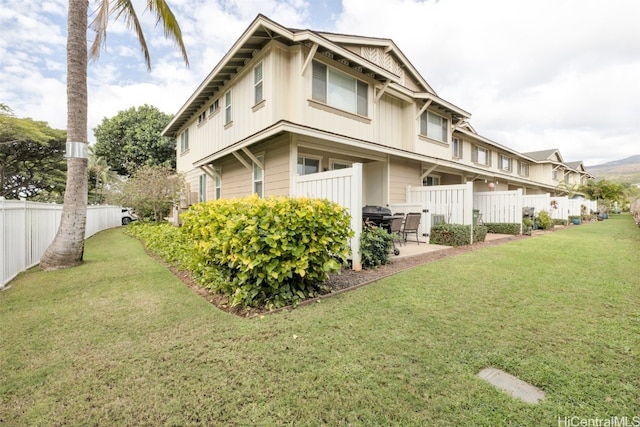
263,30
551,155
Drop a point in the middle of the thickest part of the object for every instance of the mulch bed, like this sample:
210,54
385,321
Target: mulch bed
341,282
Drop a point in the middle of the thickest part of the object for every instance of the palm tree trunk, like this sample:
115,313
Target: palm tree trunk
67,248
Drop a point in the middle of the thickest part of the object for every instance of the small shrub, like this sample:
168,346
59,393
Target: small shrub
560,222
273,252
544,220
527,225
456,234
375,245
503,228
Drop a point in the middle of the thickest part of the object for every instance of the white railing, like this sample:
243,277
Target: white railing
27,229
344,187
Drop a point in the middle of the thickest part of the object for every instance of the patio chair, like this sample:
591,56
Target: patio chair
411,224
395,229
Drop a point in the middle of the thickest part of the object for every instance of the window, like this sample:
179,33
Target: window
505,163
339,164
257,84
339,90
308,165
202,188
431,180
227,107
184,140
554,174
202,117
523,169
214,107
456,148
218,182
481,156
258,177
434,126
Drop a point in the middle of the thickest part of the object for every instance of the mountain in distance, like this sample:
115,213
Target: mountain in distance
625,170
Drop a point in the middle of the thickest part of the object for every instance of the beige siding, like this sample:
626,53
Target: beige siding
402,173
393,123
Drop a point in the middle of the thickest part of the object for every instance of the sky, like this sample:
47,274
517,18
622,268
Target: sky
534,74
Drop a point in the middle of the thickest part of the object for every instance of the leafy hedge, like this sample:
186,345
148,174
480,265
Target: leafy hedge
163,240
456,234
375,245
272,252
544,220
502,228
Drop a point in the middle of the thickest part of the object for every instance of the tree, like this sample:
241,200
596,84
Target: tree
100,176
607,191
67,248
132,138
31,158
152,191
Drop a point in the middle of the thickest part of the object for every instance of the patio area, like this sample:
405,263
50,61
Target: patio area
412,248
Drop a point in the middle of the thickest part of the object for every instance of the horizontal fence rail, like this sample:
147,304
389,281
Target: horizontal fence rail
28,228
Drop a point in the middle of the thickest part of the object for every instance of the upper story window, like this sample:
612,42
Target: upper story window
554,174
523,169
202,188
456,148
339,89
258,95
227,107
184,140
506,163
202,117
567,176
481,156
214,106
258,177
308,165
434,126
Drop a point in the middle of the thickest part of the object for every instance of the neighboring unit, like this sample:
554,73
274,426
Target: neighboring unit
284,103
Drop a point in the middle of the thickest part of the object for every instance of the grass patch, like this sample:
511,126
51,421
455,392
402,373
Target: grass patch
120,341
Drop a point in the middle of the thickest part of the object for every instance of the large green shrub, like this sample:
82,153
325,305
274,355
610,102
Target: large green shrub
163,240
273,252
456,234
375,245
502,228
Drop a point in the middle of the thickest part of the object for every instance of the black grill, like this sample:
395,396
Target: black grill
379,215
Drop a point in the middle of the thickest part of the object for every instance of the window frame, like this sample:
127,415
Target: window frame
476,155
218,182
258,85
523,169
509,165
308,157
435,180
427,127
184,141
456,148
214,107
256,168
202,188
326,88
228,102
343,164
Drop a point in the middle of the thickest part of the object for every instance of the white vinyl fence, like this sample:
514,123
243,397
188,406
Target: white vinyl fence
27,229
499,206
452,203
559,207
344,187
424,229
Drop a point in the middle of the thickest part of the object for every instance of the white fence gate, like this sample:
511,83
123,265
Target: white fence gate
499,206
27,229
454,202
344,187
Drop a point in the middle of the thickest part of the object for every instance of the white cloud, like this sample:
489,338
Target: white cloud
535,75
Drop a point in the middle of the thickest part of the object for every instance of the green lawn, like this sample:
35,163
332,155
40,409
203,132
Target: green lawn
120,341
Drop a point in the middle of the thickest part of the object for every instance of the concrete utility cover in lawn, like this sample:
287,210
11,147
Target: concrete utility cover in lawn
512,385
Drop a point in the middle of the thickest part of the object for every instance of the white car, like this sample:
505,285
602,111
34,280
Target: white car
128,215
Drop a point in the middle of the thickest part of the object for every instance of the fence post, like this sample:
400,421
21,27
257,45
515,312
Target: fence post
356,216
2,245
468,210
